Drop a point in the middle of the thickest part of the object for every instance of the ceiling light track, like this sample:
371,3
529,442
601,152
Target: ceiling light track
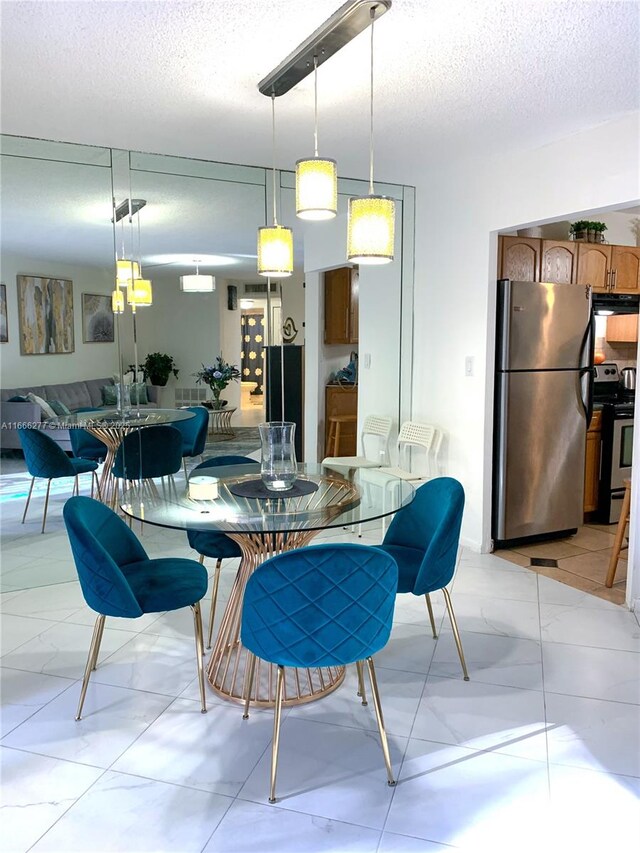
344,25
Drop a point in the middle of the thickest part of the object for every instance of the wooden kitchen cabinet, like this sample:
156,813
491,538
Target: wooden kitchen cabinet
594,265
341,306
519,258
559,261
342,400
622,328
625,263
592,463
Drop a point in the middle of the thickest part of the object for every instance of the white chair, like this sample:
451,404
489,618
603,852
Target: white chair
412,434
380,428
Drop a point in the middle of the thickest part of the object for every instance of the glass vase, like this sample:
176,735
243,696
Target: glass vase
278,464
123,397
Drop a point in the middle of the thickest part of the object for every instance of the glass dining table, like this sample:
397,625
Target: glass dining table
232,499
110,427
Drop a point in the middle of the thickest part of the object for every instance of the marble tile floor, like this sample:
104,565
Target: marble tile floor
580,561
540,750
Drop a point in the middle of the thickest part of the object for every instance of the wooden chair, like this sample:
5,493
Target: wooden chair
620,531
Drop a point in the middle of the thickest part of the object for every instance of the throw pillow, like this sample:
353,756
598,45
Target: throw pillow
59,408
139,393
17,399
109,395
47,411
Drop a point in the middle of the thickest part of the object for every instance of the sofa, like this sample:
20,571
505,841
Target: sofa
84,394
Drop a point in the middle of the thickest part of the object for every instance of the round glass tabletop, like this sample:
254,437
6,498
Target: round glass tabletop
126,420
332,497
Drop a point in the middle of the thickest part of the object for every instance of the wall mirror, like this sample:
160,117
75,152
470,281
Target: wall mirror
57,224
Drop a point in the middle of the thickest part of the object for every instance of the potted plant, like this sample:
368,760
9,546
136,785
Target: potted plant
598,229
217,377
579,229
157,367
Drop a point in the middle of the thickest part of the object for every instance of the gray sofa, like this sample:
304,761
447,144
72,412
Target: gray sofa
86,393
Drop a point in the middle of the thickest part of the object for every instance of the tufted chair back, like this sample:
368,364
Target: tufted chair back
328,605
44,457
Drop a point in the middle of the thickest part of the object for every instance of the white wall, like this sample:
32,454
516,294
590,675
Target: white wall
88,361
459,209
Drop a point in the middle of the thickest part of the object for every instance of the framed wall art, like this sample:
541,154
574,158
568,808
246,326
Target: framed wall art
4,325
45,311
97,319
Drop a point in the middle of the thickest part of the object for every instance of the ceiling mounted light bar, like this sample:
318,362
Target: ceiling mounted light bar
344,25
122,209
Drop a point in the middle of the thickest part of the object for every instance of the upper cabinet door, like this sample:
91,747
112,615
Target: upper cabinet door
559,261
337,306
625,263
594,265
520,258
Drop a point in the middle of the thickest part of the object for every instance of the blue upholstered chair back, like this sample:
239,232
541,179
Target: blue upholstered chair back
328,605
43,456
149,452
431,523
210,541
86,446
101,542
194,431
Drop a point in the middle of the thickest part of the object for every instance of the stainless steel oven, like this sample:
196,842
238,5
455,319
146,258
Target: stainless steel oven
616,458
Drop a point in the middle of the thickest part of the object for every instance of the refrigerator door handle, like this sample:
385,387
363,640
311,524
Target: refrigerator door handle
587,349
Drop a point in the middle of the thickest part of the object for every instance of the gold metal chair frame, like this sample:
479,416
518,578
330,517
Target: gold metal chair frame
454,627
75,491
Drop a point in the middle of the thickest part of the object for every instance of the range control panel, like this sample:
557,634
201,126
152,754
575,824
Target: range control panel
607,372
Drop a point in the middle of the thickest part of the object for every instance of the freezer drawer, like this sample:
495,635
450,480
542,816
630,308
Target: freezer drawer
540,452
542,326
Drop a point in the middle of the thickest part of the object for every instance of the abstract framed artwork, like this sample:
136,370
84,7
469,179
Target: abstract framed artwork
97,319
45,312
4,326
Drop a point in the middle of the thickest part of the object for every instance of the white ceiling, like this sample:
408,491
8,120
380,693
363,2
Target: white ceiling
454,77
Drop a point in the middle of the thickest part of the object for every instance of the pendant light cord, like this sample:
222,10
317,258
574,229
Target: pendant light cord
273,140
315,105
373,17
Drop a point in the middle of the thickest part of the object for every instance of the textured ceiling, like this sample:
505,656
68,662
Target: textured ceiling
454,77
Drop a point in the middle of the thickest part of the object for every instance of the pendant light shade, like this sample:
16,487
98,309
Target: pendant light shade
117,301
126,271
139,293
275,251
371,229
316,188
197,283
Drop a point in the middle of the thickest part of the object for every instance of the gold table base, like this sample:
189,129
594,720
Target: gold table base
112,437
227,671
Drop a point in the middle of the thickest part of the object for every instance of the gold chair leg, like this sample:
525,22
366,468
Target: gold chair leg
214,599
361,691
380,721
197,624
456,633
46,505
24,514
276,734
97,482
92,658
184,465
251,663
76,487
431,619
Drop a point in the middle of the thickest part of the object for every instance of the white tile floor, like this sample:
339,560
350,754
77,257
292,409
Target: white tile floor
540,751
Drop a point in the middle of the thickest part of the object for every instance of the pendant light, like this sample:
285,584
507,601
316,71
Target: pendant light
371,227
275,242
140,293
126,271
117,301
316,177
197,283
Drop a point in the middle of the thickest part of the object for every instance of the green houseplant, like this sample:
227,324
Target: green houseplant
157,367
579,229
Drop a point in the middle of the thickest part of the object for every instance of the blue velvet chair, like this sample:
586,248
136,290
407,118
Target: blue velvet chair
210,543
423,539
45,458
149,452
328,605
87,446
194,433
118,578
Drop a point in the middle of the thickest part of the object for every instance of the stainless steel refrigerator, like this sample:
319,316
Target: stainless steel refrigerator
543,407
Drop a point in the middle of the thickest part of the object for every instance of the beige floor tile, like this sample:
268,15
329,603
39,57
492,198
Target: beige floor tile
593,565
575,581
592,539
616,594
605,528
513,557
555,550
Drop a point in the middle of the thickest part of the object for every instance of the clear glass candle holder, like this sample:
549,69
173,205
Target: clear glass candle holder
278,464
